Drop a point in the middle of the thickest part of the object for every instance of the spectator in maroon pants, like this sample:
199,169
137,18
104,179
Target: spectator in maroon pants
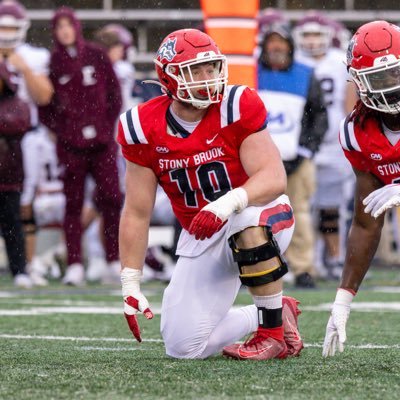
83,114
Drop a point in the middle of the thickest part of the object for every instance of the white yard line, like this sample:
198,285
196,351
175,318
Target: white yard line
34,311
360,346
386,289
362,306
135,347
93,348
75,338
82,307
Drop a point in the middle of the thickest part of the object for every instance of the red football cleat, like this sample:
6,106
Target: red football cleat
291,332
259,347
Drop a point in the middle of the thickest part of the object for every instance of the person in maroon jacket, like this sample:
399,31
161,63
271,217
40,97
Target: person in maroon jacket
83,114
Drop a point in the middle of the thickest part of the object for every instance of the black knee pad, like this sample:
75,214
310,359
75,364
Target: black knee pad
248,257
329,221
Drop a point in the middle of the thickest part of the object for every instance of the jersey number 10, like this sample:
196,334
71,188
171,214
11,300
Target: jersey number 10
212,178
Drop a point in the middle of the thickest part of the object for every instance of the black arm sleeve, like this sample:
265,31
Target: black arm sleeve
315,118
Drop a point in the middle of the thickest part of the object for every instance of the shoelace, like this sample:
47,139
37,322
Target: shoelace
255,340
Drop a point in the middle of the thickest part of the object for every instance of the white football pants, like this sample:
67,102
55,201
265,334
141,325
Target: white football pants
197,320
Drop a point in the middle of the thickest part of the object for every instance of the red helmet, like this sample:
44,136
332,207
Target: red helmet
313,34
373,60
13,24
179,53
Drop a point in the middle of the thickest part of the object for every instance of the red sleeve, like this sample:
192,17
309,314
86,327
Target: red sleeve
357,160
253,114
135,153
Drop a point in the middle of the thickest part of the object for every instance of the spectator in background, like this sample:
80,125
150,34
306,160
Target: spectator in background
29,67
297,122
117,42
14,122
313,37
83,114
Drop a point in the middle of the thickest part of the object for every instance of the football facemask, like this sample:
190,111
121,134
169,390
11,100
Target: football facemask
201,81
379,86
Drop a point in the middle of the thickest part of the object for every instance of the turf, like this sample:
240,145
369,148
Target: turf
92,356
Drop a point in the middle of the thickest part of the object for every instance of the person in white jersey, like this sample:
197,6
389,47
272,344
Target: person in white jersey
313,36
29,64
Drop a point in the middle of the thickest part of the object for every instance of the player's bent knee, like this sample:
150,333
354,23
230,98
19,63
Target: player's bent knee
261,264
184,350
329,221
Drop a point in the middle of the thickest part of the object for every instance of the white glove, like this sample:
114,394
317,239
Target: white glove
335,335
134,300
382,199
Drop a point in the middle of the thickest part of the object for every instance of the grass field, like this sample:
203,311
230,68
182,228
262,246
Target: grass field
68,343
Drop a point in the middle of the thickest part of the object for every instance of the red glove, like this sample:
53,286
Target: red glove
214,215
205,224
131,302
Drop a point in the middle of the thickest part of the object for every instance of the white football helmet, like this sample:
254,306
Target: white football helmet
13,24
313,34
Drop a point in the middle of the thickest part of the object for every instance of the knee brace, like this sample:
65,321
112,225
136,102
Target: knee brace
329,221
249,257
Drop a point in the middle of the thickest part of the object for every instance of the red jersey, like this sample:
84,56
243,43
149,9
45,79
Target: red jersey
369,150
198,169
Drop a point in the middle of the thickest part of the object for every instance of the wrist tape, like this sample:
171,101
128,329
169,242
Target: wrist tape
130,280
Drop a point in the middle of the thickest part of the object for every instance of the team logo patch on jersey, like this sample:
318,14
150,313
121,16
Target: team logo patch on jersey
167,50
376,156
162,149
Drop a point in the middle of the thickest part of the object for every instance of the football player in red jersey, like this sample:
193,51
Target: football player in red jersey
206,144
370,140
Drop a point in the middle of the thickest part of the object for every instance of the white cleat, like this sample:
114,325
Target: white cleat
75,275
23,281
112,274
97,268
38,280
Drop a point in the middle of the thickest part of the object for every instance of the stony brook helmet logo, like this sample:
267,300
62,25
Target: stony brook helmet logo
167,50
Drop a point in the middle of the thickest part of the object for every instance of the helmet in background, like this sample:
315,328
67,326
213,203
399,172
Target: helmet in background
112,34
313,34
14,24
341,35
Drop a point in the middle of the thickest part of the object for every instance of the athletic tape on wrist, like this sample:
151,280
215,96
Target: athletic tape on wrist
241,198
130,280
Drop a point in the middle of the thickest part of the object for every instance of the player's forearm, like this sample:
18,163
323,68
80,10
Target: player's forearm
361,247
265,186
133,239
39,87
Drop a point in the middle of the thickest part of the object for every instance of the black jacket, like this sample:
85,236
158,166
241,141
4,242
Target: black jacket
313,126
